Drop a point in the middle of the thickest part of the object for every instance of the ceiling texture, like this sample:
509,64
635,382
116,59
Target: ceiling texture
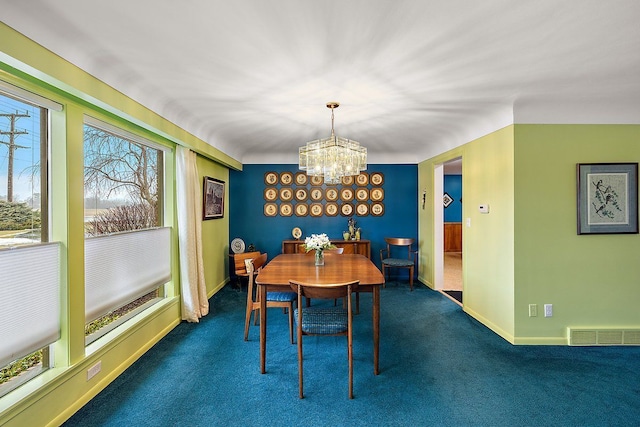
414,78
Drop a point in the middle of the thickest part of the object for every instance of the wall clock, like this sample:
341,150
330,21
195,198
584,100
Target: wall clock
331,209
316,193
362,194
301,178
317,180
377,178
331,194
315,209
302,209
286,178
286,194
346,194
237,245
302,194
270,209
346,209
270,194
286,209
377,209
271,178
377,194
362,209
362,179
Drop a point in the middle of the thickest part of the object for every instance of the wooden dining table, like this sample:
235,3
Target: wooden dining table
275,276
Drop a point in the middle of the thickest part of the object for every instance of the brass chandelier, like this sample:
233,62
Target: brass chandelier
333,157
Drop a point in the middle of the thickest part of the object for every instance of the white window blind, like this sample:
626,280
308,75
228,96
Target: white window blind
29,299
120,268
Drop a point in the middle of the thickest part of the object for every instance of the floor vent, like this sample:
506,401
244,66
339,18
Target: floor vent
604,336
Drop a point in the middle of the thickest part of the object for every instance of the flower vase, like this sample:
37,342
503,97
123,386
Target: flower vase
319,257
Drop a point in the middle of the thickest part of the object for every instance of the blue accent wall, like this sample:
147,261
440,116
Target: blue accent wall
453,187
248,222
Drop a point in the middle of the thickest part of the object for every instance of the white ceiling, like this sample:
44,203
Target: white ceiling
414,78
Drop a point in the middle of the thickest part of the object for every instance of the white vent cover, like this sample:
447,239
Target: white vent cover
585,336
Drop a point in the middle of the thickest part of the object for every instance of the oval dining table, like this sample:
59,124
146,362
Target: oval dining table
275,276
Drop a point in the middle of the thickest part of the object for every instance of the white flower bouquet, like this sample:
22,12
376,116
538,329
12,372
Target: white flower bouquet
317,242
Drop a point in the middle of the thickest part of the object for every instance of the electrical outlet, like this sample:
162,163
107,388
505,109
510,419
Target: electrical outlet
533,310
548,310
93,371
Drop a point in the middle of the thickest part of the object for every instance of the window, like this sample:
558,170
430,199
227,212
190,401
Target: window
27,334
127,255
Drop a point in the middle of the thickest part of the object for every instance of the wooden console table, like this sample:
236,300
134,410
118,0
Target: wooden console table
361,247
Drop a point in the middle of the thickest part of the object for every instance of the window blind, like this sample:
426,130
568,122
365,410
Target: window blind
120,268
29,299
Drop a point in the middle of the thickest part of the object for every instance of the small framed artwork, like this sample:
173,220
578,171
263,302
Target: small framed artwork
607,198
331,209
271,178
363,179
301,178
213,198
286,178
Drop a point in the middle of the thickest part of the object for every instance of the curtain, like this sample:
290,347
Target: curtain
193,289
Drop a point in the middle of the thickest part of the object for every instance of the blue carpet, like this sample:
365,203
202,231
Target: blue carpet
438,367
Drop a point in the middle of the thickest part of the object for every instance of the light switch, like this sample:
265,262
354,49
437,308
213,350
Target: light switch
483,208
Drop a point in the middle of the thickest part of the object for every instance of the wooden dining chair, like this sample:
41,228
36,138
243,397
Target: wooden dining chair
324,320
282,300
390,258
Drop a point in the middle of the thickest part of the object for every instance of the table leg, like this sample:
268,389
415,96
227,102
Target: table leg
376,329
263,327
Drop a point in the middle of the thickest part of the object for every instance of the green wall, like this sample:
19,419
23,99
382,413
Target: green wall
591,280
487,177
526,250
50,398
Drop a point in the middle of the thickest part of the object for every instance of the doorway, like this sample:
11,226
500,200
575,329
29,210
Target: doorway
448,224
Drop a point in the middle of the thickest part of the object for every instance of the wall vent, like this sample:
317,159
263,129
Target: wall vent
604,336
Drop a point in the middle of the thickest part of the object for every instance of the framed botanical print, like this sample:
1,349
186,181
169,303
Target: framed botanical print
213,198
607,198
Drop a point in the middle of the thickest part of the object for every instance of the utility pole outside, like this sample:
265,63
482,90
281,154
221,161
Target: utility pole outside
12,147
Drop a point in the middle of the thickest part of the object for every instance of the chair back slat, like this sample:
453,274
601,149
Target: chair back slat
239,265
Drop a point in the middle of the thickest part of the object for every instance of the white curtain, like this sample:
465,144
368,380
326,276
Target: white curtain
193,289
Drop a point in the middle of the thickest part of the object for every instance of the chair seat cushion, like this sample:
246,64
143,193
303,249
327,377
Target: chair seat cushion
282,296
323,321
397,262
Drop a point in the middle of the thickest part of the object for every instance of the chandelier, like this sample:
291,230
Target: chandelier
333,157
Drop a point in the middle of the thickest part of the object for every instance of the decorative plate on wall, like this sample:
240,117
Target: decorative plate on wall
362,194
347,180
377,178
301,178
346,209
377,194
362,209
286,209
316,209
286,178
317,180
270,209
362,179
316,193
270,194
302,194
302,209
331,194
331,209
286,194
346,194
271,178
237,245
377,209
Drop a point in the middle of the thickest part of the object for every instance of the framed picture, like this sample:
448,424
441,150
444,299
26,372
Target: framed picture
213,200
607,198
